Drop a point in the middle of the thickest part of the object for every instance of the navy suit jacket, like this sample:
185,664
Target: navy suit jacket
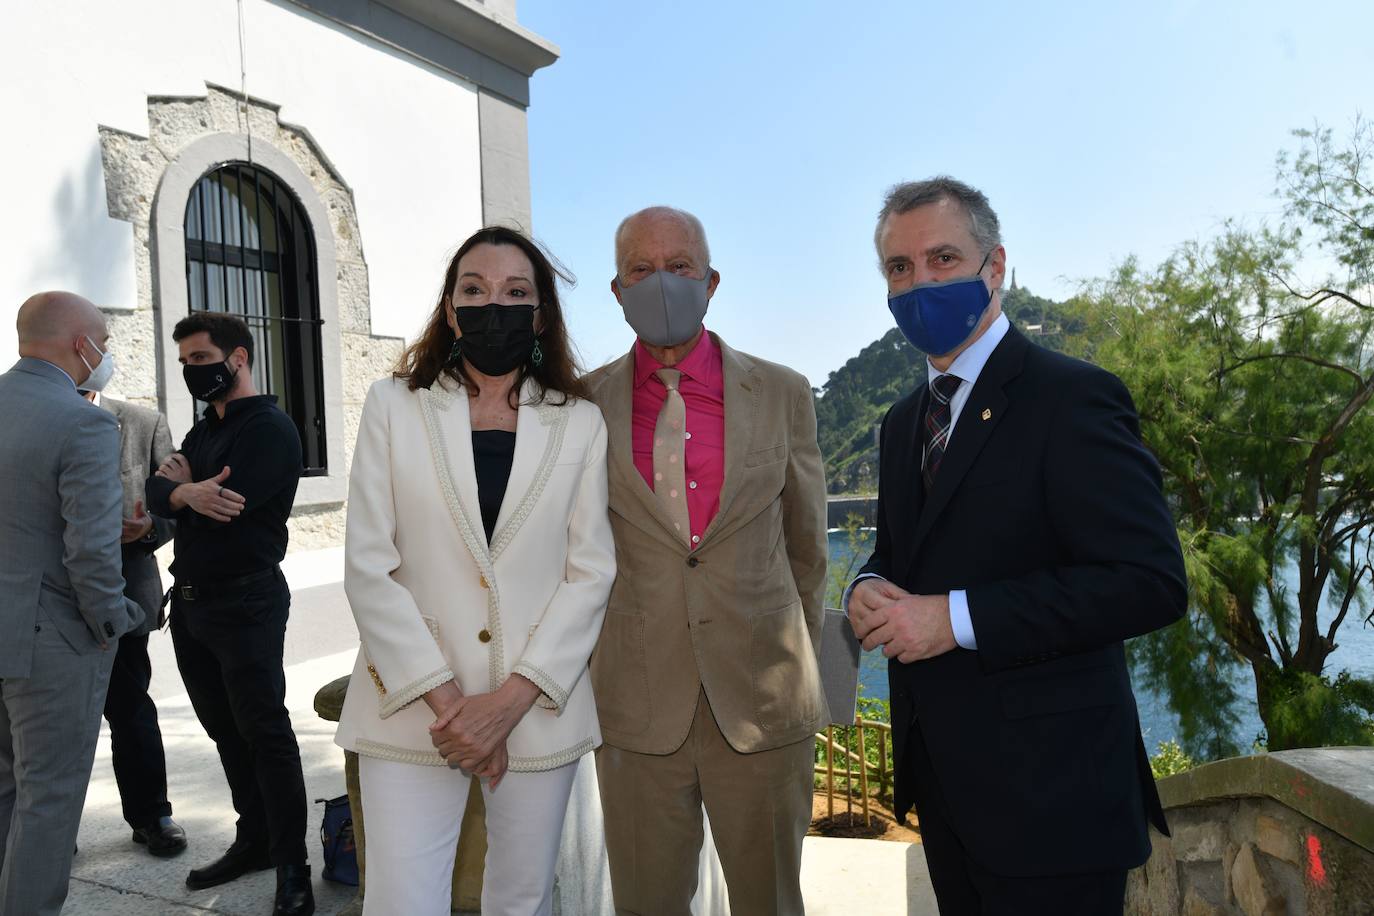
1048,511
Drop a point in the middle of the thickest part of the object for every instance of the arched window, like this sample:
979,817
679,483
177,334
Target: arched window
250,251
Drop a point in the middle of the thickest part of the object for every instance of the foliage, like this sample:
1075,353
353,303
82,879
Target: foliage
1171,759
1252,387
1314,710
871,709
851,405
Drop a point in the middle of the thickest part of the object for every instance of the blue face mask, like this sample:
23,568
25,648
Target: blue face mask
937,317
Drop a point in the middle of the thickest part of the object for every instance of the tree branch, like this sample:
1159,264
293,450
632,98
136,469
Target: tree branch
1324,294
1300,357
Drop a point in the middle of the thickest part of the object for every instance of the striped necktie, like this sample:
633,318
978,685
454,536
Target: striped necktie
938,421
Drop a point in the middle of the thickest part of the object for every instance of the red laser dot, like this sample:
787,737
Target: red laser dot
1315,869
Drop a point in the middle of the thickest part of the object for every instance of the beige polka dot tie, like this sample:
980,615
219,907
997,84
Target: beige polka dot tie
670,474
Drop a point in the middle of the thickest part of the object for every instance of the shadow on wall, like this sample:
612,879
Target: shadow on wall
87,252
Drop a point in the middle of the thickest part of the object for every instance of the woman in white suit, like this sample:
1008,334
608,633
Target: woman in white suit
479,559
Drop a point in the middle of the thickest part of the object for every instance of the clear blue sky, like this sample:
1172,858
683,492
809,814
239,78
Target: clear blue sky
1097,130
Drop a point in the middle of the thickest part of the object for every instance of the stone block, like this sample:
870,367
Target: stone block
173,123
355,310
133,167
223,110
1196,903
1257,891
1152,889
353,414
365,360
1276,839
317,527
343,215
1204,841
133,340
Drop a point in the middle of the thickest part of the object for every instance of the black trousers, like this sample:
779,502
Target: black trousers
965,888
229,649
140,765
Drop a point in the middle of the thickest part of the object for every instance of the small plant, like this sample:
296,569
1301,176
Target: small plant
1170,760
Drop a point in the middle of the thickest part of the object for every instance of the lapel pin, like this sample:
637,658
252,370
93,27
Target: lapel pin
987,414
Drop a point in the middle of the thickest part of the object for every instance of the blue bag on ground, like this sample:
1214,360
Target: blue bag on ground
336,833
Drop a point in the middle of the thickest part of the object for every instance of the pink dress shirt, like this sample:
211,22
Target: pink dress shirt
703,393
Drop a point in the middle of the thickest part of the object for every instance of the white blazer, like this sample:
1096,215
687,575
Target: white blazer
435,603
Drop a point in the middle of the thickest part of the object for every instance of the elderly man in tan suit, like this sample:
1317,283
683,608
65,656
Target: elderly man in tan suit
705,675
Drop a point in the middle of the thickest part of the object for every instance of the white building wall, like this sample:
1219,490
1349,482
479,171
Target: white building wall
401,133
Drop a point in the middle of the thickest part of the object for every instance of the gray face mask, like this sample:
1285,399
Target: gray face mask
665,309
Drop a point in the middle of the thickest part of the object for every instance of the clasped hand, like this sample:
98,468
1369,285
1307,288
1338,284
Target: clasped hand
471,733
210,497
908,627
138,527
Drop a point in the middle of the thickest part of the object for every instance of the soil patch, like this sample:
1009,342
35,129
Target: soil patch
881,824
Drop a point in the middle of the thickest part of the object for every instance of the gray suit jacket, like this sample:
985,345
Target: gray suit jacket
59,517
144,442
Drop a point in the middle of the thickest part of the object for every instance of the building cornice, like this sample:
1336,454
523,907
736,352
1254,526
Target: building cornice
462,37
481,29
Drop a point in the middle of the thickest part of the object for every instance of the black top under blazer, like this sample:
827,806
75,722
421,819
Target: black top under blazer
1048,511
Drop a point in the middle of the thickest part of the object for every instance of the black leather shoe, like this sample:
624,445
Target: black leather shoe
295,896
238,860
163,837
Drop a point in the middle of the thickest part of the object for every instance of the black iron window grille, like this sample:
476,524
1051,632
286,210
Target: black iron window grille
250,251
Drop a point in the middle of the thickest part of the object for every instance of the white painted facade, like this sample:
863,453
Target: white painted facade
402,119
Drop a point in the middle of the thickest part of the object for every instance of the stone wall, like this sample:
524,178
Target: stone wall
134,168
1284,833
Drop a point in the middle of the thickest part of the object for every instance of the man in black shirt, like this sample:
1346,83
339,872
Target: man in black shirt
230,489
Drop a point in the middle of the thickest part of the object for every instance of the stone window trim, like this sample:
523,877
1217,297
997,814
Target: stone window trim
168,241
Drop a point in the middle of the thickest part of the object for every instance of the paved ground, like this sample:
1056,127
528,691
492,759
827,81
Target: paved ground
113,876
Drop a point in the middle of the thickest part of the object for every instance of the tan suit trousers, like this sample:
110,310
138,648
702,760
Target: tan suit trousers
759,805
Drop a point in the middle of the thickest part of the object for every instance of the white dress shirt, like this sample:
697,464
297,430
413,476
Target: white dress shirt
966,366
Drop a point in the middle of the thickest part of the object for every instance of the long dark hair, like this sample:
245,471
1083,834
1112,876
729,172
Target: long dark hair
558,372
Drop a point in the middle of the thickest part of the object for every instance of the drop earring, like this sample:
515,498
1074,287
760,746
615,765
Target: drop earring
537,357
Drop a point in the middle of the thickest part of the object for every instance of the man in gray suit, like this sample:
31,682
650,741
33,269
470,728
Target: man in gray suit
140,764
62,604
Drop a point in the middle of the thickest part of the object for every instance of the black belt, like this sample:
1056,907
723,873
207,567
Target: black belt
188,591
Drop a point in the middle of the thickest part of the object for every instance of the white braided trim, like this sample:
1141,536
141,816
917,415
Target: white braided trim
557,418
399,754
429,400
552,761
554,696
396,700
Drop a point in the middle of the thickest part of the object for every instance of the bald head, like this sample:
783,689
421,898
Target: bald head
65,330
57,317
648,220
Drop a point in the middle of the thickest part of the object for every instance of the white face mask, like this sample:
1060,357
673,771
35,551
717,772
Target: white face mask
100,376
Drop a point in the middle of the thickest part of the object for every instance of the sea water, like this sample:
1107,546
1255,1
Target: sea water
1158,723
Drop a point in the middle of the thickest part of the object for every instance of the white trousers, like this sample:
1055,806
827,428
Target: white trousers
412,818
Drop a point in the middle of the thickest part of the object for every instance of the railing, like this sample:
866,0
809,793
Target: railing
850,759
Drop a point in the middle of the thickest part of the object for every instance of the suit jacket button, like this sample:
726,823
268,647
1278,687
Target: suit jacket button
692,562
109,628
484,636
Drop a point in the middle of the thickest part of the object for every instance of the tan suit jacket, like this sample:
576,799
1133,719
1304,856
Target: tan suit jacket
741,614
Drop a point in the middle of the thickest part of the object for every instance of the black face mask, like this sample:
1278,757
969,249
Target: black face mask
210,381
496,338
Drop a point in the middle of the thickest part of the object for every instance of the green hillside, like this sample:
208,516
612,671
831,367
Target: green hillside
851,405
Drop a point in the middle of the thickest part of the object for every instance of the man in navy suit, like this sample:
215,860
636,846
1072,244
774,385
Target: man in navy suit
1022,536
